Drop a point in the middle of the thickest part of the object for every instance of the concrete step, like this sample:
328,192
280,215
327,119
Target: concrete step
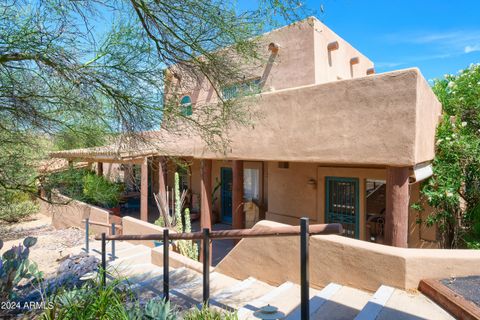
375,304
344,304
317,301
286,298
411,306
239,294
136,255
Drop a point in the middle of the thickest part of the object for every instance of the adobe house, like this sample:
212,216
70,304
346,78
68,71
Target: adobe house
335,143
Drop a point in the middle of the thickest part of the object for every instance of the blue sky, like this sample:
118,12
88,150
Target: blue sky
437,36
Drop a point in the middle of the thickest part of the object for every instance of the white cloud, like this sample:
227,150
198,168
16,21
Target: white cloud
473,48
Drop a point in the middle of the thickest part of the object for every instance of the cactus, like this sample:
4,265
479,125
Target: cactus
15,266
188,248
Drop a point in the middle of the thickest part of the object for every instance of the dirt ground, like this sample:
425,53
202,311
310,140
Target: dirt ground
52,246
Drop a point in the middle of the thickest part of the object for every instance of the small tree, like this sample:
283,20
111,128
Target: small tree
454,190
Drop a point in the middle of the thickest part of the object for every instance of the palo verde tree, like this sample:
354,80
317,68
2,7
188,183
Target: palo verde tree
454,190
64,62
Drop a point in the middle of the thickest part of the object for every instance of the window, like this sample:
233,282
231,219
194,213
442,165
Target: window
186,105
251,184
242,89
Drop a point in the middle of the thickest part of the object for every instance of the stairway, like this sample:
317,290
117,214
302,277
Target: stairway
331,302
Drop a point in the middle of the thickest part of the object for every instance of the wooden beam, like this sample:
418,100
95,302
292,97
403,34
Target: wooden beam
449,300
397,203
100,168
354,60
144,191
333,46
238,215
370,71
205,197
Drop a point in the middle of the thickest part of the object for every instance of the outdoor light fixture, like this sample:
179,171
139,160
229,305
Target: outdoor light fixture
268,312
312,183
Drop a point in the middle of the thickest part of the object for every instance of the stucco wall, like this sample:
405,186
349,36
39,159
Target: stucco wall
335,65
345,261
67,213
136,226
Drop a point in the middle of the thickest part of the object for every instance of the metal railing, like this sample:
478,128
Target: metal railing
101,224
304,231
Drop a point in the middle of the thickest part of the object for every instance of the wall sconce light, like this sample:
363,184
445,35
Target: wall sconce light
312,183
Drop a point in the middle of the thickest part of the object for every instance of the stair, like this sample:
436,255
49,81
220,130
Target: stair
333,302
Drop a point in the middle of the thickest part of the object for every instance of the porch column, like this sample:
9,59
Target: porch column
206,198
144,191
237,196
100,168
396,217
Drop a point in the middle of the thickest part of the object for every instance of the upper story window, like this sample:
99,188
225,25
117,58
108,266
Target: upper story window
186,105
242,89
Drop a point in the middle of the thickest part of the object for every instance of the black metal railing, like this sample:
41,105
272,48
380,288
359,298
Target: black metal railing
304,231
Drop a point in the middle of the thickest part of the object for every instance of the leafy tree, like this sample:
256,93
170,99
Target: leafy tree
454,190
62,62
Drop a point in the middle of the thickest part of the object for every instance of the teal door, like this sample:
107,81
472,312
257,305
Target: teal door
226,194
342,204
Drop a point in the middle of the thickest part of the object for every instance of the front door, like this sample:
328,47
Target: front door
342,204
226,194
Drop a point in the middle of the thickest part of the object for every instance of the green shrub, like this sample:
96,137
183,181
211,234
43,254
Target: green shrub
115,301
99,190
85,185
14,212
207,313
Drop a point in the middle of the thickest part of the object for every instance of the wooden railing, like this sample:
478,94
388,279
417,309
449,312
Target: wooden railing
304,231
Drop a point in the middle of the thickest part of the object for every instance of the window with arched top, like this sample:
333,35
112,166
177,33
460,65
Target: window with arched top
186,105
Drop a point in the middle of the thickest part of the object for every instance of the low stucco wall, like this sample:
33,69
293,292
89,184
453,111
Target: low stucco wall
176,260
345,261
135,226
67,213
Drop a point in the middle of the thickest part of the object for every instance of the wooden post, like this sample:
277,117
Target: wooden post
238,219
144,191
396,218
205,198
100,168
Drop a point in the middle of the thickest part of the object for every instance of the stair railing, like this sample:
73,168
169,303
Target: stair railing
304,231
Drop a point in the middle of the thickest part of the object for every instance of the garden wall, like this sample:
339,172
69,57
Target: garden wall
346,261
134,226
66,213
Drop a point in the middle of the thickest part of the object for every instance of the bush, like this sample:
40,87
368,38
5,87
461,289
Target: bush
85,185
207,313
99,190
115,301
17,206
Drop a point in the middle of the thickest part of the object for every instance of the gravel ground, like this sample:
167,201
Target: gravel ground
468,287
52,246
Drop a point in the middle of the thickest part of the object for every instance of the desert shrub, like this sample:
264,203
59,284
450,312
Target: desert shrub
18,207
115,301
98,190
207,313
85,185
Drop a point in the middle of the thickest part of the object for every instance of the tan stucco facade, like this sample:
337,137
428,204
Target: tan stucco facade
345,261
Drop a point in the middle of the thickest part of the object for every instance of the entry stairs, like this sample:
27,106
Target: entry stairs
333,302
